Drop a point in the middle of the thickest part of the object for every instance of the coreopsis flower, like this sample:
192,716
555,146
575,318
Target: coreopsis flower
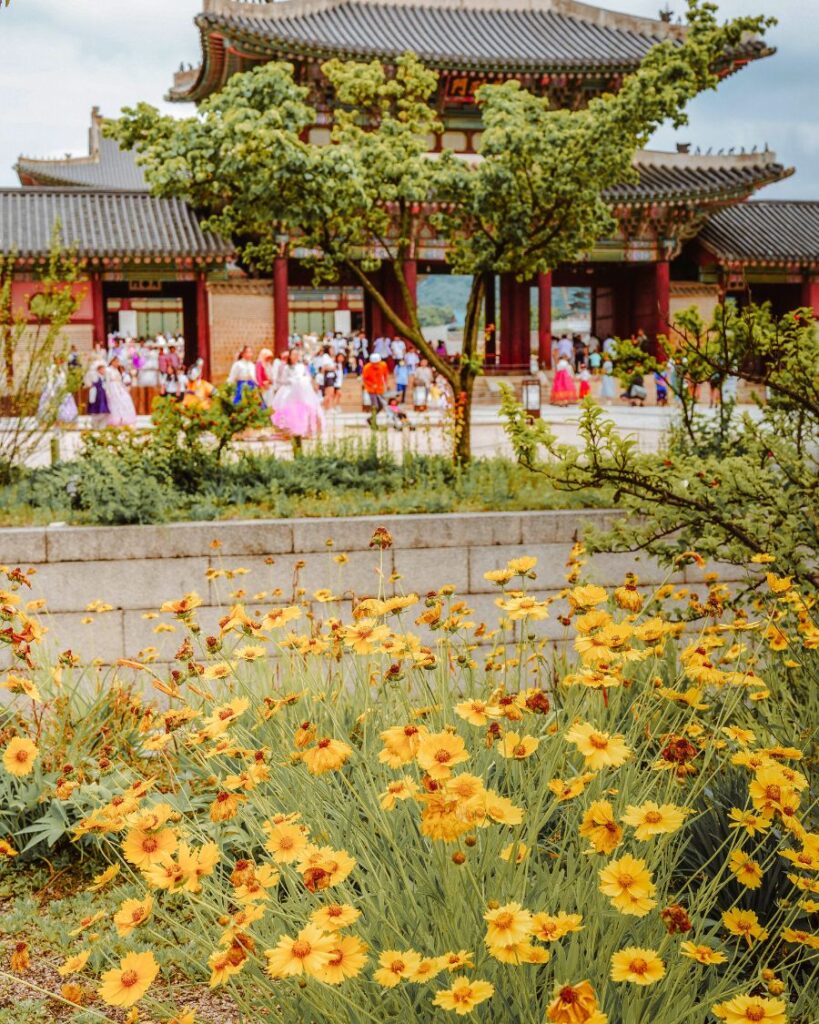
516,852
19,756
551,927
6,849
194,864
803,938
701,953
627,882
568,790
224,963
347,959
285,840
308,953
499,808
439,752
321,867
599,749
131,914
86,922
74,964
326,756
507,925
145,849
225,806
428,968
778,584
278,617
747,871
20,958
396,966
770,790
600,828
520,953
636,965
675,918
456,960
20,684
476,712
575,1004
404,788
499,576
365,635
464,995
628,596
587,596
651,819
125,985
748,820
751,1010
745,924
401,744
255,884
523,606
181,608
335,916
444,816
516,747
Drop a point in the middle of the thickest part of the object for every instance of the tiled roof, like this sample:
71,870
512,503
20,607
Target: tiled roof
104,224
765,231
106,166
681,177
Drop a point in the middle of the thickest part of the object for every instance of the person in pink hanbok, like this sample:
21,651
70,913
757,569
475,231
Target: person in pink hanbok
564,390
121,407
296,405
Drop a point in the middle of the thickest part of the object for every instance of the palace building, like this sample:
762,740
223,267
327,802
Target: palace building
690,230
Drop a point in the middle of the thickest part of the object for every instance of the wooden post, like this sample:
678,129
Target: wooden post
544,320
281,310
98,303
810,293
662,295
203,323
490,319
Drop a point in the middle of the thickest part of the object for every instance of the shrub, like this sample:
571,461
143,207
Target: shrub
373,817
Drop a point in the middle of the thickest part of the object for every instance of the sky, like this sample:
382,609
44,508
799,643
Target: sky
62,57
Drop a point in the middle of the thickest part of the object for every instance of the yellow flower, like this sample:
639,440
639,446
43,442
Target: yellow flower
428,968
744,923
395,966
600,749
752,823
439,752
74,964
19,756
404,788
627,882
574,787
401,744
801,937
335,916
321,867
523,606
600,828
365,635
702,954
454,961
520,566
285,840
516,851
143,849
465,994
507,925
6,849
518,747
575,1004
747,872
778,584
131,914
551,927
762,559
308,953
127,984
346,960
651,819
520,953
639,966
751,1010
326,756
588,596
499,576
182,607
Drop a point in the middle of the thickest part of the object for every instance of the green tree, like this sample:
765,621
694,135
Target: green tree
730,487
532,201
31,340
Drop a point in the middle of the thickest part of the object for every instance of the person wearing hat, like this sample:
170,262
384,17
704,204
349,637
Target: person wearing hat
374,379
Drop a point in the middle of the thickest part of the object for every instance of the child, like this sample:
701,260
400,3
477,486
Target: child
662,388
595,362
401,379
585,381
608,385
397,415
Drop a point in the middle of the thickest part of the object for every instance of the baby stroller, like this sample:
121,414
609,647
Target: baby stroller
396,417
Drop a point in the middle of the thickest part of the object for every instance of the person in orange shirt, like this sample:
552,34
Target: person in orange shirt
374,378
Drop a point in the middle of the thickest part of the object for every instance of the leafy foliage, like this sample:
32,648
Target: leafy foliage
532,201
732,487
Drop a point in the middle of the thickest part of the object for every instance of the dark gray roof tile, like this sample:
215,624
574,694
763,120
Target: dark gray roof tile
765,231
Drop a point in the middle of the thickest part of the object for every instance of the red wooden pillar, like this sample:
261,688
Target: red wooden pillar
810,294
98,304
662,295
490,320
281,309
544,320
203,323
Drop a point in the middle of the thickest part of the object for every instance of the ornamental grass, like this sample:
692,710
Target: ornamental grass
370,809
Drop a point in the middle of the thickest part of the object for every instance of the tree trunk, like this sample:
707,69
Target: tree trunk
462,441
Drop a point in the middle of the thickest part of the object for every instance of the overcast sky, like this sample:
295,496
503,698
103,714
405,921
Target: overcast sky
61,57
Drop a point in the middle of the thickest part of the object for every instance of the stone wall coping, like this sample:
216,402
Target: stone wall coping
246,537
